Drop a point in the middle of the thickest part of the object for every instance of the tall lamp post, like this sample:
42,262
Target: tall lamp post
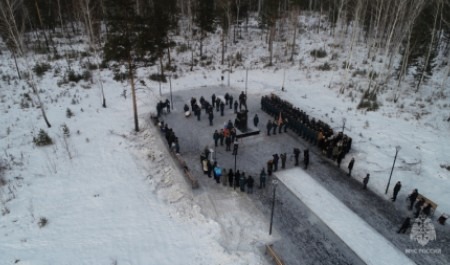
170,84
235,152
397,148
275,184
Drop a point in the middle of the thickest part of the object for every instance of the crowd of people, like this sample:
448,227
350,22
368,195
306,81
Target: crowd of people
333,145
235,180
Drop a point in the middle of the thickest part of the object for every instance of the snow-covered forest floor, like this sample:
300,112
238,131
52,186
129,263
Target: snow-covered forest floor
108,195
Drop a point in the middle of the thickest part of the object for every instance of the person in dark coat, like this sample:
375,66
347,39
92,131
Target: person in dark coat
275,162
222,108
274,127
237,177
255,120
365,181
167,104
397,188
211,117
210,167
230,177
269,127
350,167
406,224
250,183
296,155
242,182
412,198
269,167
231,101
236,104
262,179
218,104
283,160
216,137
213,100
221,137
306,158
228,143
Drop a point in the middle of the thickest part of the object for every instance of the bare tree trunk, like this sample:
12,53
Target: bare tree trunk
271,37
42,25
85,6
133,94
294,14
15,62
41,106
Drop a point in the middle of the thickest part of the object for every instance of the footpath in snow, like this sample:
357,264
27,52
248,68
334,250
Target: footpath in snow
359,236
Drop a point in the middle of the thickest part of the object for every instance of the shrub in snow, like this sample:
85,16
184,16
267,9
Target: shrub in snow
42,222
69,113
65,130
74,77
40,68
320,53
324,67
42,139
369,101
359,72
87,76
158,78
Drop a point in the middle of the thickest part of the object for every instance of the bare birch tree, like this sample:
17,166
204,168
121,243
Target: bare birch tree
8,9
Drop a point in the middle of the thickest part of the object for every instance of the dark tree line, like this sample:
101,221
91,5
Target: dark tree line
138,32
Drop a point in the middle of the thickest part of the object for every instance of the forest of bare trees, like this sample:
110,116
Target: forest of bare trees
410,34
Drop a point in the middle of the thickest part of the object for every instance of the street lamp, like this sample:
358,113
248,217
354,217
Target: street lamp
275,184
235,151
170,85
397,148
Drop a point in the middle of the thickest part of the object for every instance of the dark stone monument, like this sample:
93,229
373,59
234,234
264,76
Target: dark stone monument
241,124
241,120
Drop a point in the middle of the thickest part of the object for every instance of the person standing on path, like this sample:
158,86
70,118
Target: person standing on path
397,188
237,177
406,224
269,167
365,181
283,160
269,127
213,100
216,137
350,167
250,183
230,177
275,162
262,179
296,155
412,198
256,120
211,117
306,158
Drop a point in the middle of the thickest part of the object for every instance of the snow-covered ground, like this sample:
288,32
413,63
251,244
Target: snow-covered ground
113,196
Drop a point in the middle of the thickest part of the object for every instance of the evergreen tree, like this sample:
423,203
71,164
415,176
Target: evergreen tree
128,40
204,19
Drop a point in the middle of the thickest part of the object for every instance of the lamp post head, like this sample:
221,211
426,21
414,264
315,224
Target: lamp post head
398,147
